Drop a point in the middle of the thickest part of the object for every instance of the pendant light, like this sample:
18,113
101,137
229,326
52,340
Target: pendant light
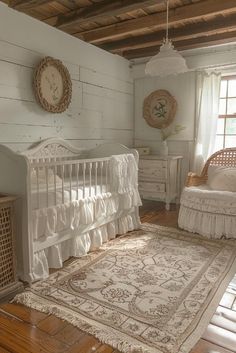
168,61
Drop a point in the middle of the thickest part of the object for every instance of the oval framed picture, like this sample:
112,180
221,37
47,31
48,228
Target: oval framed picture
159,109
52,85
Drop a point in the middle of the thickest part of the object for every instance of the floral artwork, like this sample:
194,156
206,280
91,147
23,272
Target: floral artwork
159,109
52,85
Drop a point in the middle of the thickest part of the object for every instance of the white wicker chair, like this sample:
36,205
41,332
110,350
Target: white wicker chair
205,211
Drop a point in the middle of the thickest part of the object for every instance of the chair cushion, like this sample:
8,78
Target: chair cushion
204,199
222,178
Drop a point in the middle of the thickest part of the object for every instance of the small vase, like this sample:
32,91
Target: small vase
164,148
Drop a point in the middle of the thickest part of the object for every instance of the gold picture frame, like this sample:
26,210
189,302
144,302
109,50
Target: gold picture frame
52,85
159,109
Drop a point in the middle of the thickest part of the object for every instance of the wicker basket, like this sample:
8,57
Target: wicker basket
8,282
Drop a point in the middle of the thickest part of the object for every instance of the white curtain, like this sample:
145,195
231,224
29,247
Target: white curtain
207,106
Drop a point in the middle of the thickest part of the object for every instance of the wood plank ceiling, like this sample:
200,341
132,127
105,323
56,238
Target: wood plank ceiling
135,28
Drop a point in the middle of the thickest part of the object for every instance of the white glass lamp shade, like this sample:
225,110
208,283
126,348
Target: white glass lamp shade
167,62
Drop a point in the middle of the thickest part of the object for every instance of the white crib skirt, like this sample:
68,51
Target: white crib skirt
80,245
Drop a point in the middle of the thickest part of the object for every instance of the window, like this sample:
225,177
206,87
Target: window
226,126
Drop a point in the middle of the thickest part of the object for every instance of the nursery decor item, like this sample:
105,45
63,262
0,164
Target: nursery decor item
52,85
164,148
151,291
168,61
165,133
159,109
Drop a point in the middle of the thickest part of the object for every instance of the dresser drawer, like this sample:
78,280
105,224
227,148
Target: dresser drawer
149,169
148,163
152,173
151,187
148,195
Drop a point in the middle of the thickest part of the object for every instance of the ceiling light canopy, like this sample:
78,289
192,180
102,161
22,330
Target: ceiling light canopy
168,61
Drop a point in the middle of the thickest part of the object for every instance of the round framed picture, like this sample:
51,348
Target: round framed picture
159,109
52,85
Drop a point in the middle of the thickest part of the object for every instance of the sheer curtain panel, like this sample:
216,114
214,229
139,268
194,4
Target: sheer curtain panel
207,107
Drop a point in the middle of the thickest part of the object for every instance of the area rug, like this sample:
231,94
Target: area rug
151,291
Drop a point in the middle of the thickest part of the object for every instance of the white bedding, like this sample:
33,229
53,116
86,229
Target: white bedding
39,199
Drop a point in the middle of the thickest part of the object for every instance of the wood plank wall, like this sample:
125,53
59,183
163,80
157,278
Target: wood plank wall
102,101
182,87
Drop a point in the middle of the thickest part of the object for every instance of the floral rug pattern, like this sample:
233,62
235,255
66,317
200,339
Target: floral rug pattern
153,290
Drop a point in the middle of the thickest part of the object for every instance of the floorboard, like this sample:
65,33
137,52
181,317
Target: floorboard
24,330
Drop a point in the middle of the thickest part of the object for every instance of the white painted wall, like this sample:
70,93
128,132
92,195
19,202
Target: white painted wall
102,99
182,87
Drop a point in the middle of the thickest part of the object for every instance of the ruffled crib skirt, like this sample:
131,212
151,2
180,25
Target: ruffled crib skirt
81,244
49,222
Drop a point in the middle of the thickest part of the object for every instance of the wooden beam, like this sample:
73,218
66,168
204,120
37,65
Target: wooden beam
102,9
26,4
217,25
202,42
192,11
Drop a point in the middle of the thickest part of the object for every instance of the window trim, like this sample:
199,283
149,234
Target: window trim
226,116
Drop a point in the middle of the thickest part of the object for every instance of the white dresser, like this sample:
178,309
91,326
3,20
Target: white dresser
159,178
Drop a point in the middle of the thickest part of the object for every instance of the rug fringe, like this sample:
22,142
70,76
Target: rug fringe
107,337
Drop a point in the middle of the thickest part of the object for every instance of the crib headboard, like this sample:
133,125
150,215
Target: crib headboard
57,149
53,149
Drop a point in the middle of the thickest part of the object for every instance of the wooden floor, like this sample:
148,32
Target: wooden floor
23,330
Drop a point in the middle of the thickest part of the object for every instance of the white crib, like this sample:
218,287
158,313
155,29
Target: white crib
67,202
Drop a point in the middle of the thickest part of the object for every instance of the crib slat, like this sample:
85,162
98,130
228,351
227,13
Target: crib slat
55,184
84,169
90,178
96,177
101,164
77,180
37,180
106,163
46,172
62,181
70,179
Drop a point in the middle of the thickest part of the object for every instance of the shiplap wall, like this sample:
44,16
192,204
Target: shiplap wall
182,87
102,100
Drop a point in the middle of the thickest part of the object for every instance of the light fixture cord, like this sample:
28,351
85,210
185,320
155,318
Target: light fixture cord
167,20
